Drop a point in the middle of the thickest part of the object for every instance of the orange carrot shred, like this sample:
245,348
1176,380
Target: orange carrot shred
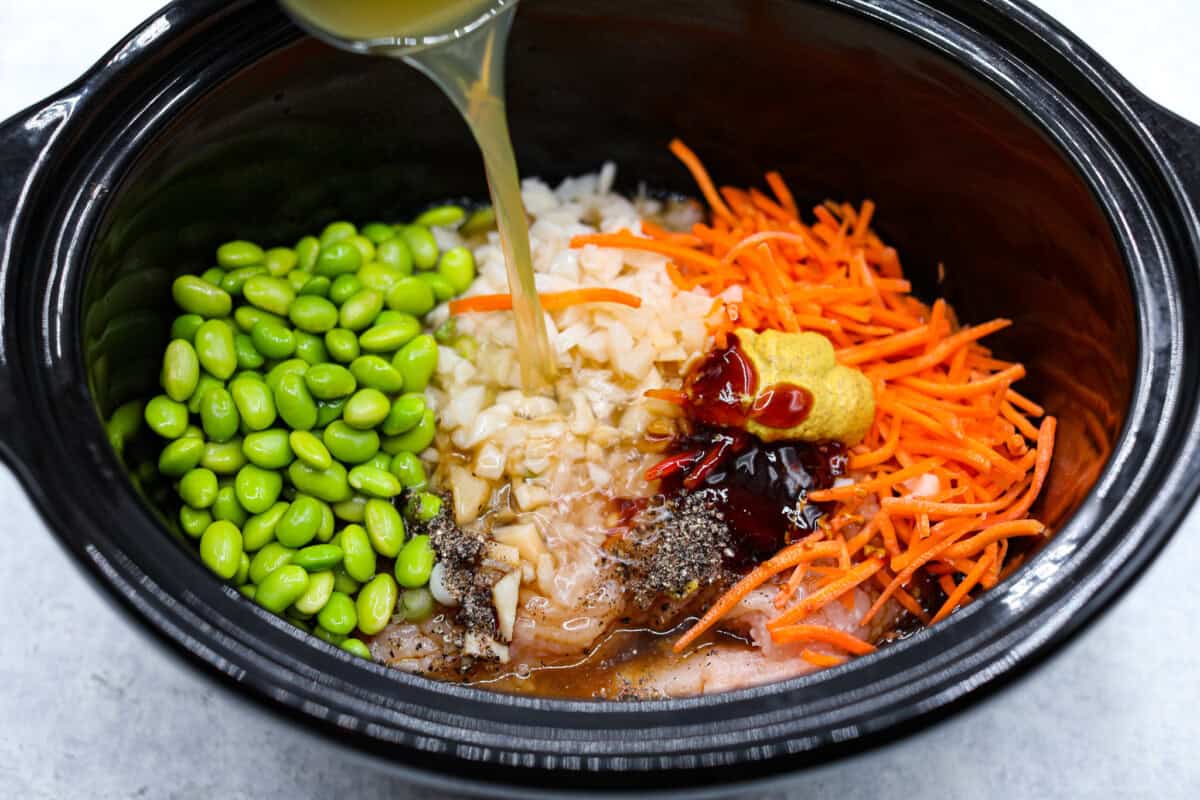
955,458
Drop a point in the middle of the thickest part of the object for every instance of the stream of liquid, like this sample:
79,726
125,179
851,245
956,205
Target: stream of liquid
460,45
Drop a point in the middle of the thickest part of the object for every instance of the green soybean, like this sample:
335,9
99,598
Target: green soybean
281,588
300,522
227,507
328,523
408,468
257,488
313,314
344,287
457,266
273,339
197,296
306,253
356,646
417,604
415,563
421,244
310,348
415,440
194,521
342,345
269,293
293,366
316,595
198,487
379,461
352,510
294,402
384,527
334,639
185,325
205,383
366,248
330,485
223,458
389,337
181,456
337,231
299,278
243,570
213,276
344,583
317,557
234,280
417,361
125,422
219,415
377,232
166,417
411,295
376,372
442,217
330,381
221,548
338,258
259,530
366,409
271,557
269,449
330,410
239,254
442,289
215,349
339,614
405,414
350,445
423,506
360,310
379,277
317,286
394,253
248,590
309,449
246,317
479,221
180,370
255,403
247,356
280,261
376,603
374,482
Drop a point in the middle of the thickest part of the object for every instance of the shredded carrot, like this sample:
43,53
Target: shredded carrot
821,633
551,301
955,459
819,659
788,557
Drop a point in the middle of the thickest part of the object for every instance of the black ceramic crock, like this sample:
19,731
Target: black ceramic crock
1017,172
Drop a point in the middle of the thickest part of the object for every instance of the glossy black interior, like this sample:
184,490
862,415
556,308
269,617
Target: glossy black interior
983,207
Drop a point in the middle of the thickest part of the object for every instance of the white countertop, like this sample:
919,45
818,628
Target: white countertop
91,710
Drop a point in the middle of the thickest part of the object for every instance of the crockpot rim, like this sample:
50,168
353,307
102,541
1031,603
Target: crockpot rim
115,574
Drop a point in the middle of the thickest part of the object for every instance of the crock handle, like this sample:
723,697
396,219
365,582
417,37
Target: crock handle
25,141
1180,140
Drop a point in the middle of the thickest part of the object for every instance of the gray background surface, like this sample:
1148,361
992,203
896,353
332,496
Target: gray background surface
90,708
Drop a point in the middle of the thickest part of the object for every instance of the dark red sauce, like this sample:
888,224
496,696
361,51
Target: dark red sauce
719,388
723,391
782,405
760,486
